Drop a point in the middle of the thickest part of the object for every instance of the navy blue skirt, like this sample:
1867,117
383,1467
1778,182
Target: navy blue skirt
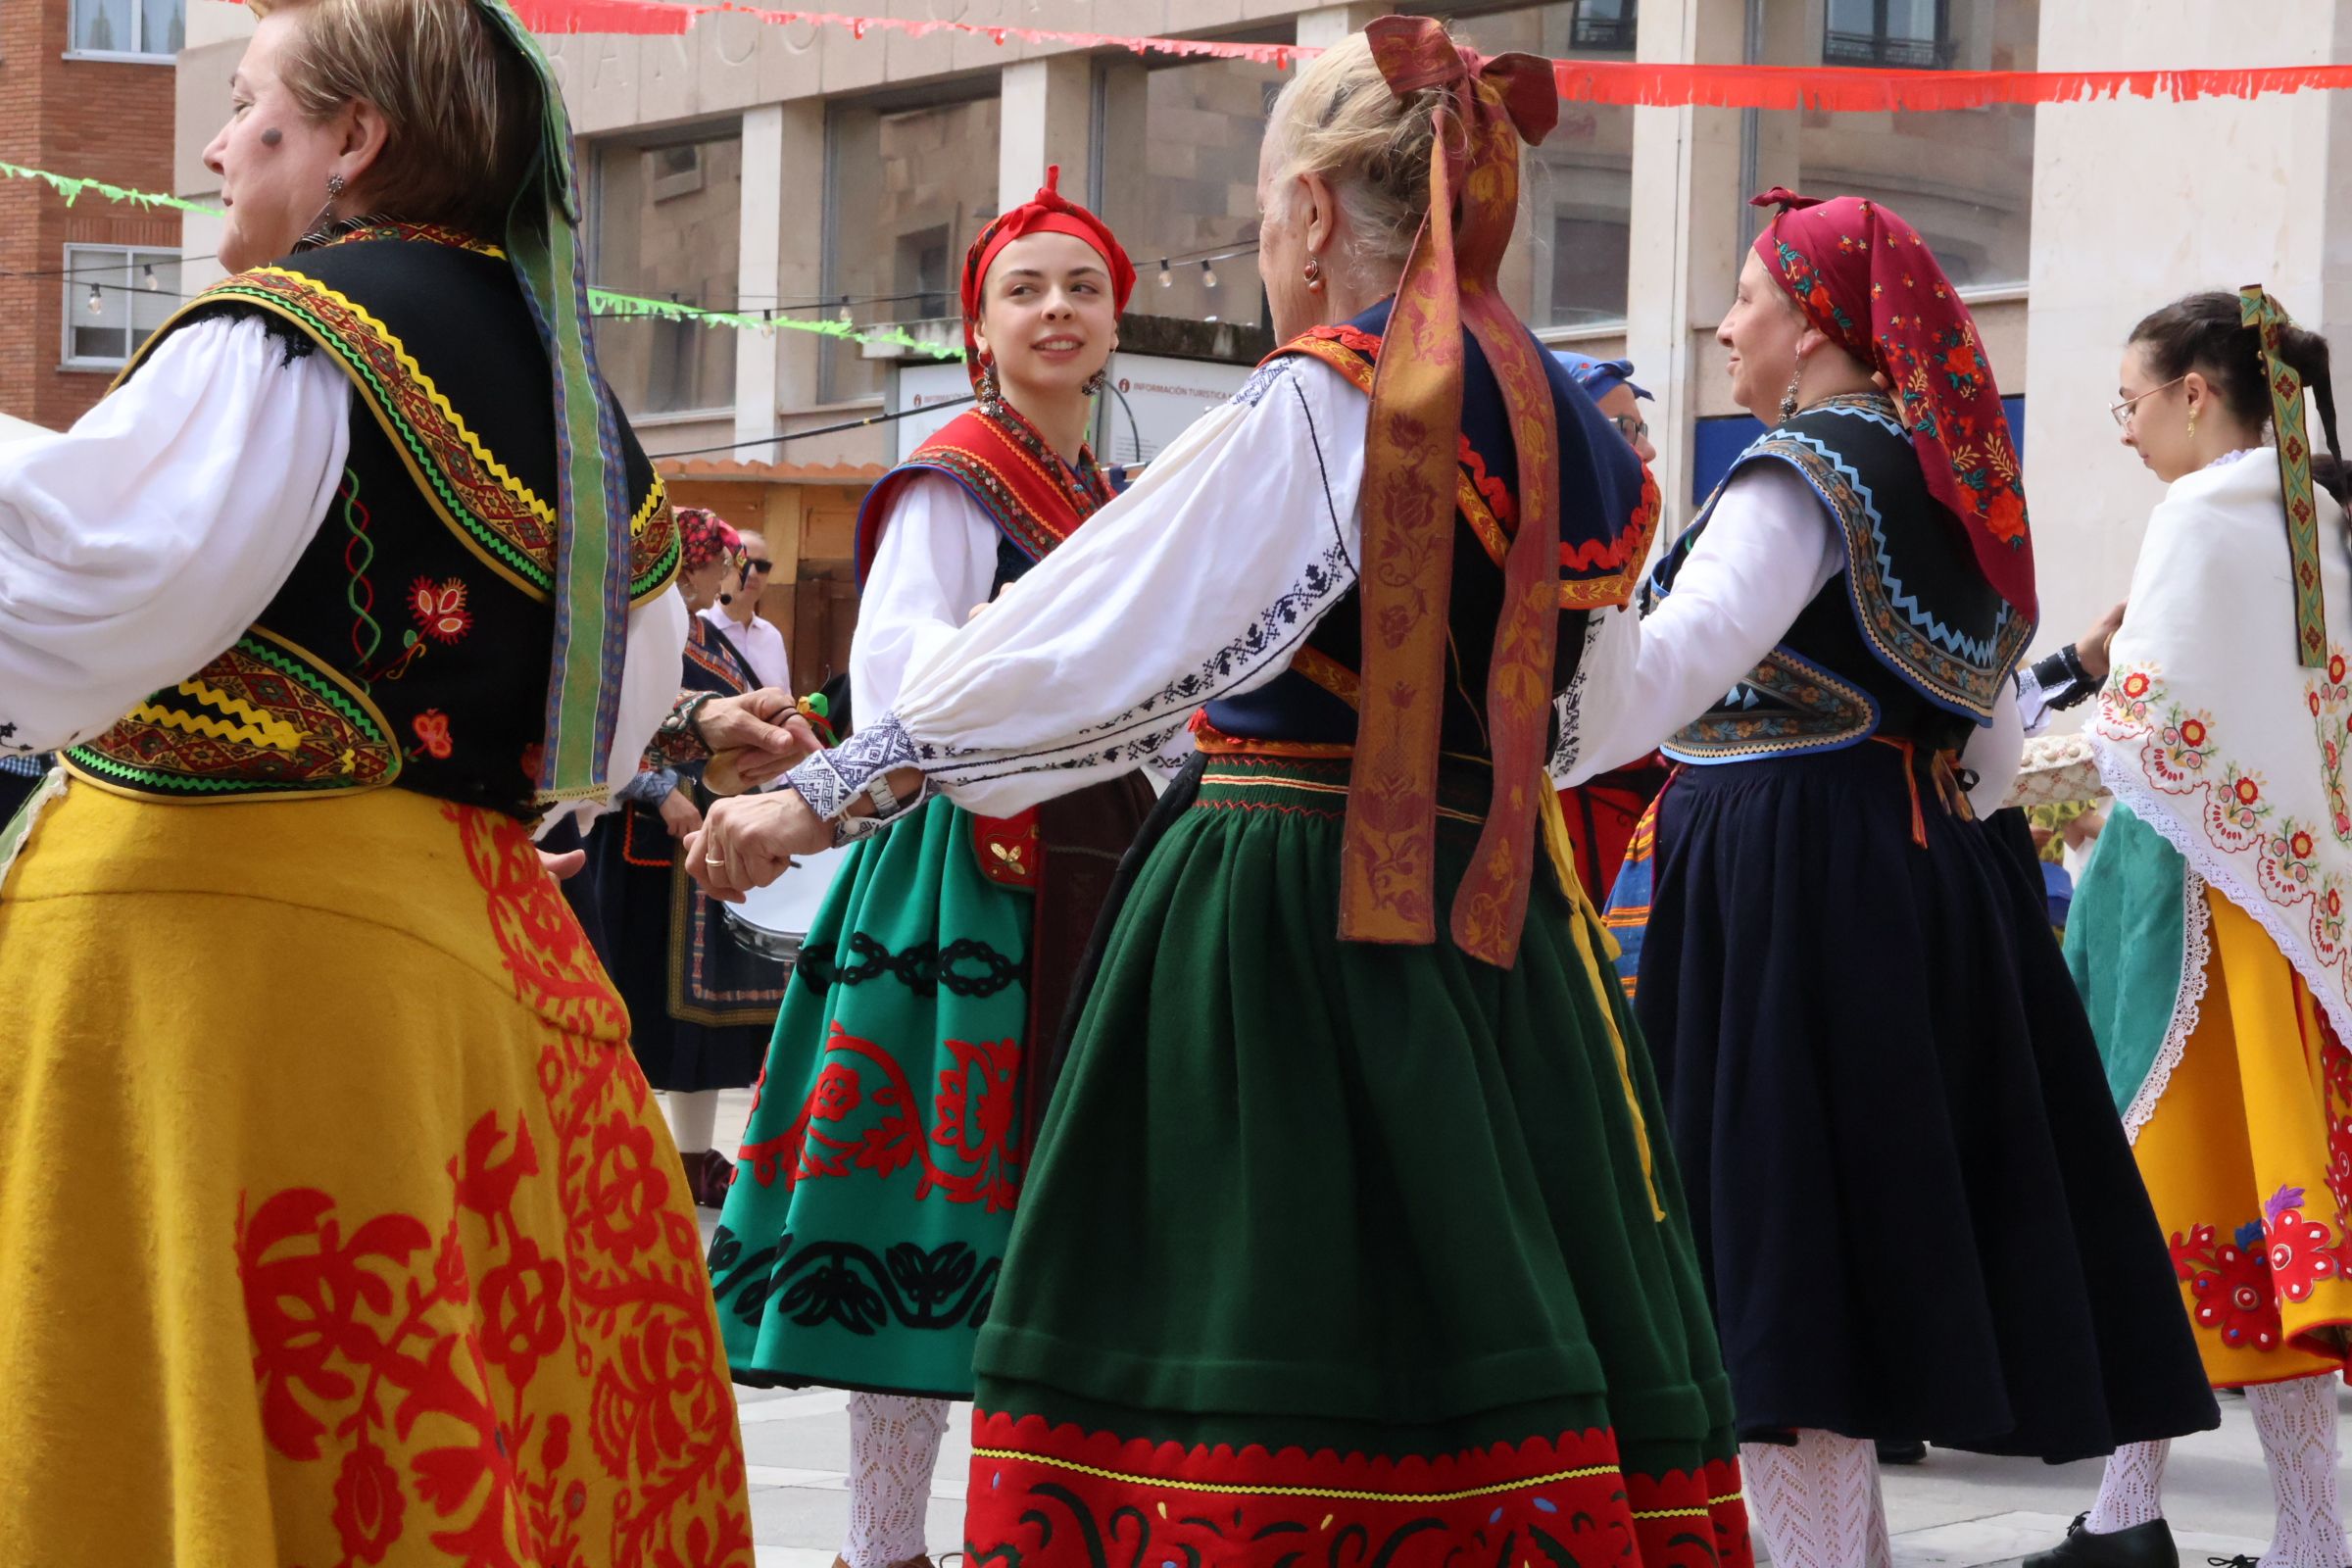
1914,1203
627,903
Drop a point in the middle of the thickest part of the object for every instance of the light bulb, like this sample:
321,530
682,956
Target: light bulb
97,301
845,311
147,277
1167,279
1209,276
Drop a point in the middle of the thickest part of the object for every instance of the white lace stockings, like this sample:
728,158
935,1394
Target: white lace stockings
1816,1501
2131,1489
2297,1422
894,1447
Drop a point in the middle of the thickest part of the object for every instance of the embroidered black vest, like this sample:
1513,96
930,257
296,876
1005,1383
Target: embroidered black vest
409,646
1608,511
1909,641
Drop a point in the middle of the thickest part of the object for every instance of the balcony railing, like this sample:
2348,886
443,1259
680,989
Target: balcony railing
1878,49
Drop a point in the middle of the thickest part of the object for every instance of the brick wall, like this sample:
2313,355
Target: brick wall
107,119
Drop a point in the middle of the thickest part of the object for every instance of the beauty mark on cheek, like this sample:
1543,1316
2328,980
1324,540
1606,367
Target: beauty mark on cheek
273,136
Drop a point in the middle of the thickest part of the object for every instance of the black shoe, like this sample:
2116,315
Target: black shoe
707,1176
2149,1546
1901,1450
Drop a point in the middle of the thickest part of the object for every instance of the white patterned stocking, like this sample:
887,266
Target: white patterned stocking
2297,1422
2131,1489
693,1117
894,1447
1816,1501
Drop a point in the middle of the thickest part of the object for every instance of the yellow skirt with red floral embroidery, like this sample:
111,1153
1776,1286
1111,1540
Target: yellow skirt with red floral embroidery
2248,1159
336,1225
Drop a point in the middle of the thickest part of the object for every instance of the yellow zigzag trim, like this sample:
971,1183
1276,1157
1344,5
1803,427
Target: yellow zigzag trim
645,514
260,728
498,471
1297,1491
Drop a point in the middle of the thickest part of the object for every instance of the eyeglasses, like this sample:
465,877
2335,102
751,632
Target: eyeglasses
750,566
2124,410
1631,426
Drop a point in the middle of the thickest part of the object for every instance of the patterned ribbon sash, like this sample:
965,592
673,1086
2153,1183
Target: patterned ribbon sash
2256,309
592,547
1389,863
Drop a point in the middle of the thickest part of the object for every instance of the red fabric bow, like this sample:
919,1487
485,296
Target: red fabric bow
1389,852
1048,212
1866,281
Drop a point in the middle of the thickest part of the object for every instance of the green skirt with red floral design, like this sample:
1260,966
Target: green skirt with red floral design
1347,1254
861,1239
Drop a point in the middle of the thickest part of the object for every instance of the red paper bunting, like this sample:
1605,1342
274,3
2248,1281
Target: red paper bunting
1835,88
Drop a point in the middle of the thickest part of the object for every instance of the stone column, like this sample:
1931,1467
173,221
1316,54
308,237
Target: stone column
760,273
2136,203
1685,234
1047,118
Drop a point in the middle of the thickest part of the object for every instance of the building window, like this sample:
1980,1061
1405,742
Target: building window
1913,34
911,186
114,300
1962,177
1180,182
667,226
153,29
1606,26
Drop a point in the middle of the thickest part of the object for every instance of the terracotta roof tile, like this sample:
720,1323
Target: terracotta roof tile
769,473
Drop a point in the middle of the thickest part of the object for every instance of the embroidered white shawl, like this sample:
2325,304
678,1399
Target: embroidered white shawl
2215,737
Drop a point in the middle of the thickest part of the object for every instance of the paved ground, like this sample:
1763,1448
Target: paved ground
1956,1510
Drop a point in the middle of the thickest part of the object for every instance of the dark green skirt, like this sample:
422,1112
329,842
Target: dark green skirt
1346,1253
860,1242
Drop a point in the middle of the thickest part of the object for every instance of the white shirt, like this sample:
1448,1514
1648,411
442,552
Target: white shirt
761,645
142,542
1207,576
1768,547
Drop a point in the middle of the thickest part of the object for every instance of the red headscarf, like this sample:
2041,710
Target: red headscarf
1866,280
1046,212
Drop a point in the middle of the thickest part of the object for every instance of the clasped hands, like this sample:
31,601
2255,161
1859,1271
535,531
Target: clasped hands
753,738
751,841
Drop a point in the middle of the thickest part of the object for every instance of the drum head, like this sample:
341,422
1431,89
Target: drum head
774,921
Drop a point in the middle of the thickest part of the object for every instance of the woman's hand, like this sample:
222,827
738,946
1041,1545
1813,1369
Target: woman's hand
2091,647
753,739
679,814
563,866
750,842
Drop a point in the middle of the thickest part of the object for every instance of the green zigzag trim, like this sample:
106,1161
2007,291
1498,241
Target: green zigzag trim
97,762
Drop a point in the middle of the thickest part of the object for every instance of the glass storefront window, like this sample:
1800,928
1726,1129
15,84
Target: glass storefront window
1567,263
911,189
668,219
1964,178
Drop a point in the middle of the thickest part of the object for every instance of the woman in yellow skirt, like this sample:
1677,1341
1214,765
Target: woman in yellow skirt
336,1223
2208,933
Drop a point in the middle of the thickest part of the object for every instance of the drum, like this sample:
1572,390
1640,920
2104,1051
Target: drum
774,921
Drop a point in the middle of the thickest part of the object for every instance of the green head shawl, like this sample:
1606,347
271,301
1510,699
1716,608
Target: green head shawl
592,552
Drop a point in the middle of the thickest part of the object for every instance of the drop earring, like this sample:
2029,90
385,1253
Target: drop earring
1096,382
1314,273
1788,398
992,392
324,228
2193,421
